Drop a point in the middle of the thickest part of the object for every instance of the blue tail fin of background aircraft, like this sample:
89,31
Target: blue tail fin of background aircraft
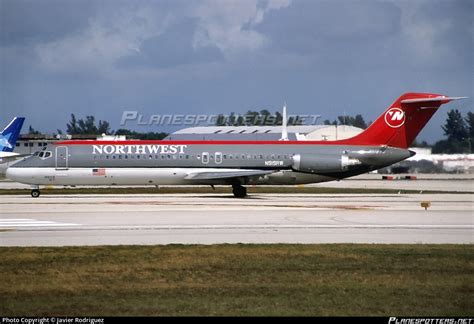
9,135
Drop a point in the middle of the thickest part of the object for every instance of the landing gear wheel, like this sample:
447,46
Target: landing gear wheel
35,193
239,191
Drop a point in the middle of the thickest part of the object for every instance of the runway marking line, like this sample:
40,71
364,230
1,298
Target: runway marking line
28,222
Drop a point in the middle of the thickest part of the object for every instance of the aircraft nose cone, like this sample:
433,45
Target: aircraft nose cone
12,174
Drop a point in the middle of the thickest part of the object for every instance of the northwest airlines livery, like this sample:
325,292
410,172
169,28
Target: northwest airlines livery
235,163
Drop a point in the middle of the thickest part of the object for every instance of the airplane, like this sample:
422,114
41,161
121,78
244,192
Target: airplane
8,139
234,163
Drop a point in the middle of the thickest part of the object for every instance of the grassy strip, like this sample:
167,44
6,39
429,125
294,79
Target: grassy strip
338,279
227,190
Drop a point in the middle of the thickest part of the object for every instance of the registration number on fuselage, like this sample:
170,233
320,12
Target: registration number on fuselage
273,163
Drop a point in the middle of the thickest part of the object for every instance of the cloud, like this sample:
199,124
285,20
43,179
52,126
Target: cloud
96,48
29,22
154,34
307,26
171,48
439,32
228,24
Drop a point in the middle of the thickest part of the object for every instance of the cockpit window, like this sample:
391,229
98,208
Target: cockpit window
45,154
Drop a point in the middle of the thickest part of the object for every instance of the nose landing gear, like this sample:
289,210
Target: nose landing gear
35,193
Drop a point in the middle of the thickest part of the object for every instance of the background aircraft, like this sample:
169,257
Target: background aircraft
8,139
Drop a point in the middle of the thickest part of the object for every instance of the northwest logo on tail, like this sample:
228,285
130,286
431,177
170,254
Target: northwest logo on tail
395,117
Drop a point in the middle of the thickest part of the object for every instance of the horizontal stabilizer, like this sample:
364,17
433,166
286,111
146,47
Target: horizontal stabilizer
435,99
226,174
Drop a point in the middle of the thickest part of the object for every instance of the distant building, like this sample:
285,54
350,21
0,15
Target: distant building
461,163
425,162
259,133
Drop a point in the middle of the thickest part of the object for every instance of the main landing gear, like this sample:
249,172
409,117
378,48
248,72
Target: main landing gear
35,193
239,191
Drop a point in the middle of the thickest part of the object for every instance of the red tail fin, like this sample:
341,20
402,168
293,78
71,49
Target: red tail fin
403,120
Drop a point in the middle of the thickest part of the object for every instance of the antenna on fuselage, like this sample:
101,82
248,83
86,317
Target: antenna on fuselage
284,130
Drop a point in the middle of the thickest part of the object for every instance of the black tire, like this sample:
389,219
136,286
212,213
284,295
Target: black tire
239,192
35,193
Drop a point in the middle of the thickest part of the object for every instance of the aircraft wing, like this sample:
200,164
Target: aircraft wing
225,174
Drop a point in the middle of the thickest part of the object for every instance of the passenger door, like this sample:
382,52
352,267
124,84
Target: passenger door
61,157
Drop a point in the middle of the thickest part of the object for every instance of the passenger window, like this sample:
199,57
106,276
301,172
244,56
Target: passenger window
205,158
219,157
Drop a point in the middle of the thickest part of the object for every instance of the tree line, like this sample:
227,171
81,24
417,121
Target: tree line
459,131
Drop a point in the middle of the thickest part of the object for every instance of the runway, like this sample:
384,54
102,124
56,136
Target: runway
61,220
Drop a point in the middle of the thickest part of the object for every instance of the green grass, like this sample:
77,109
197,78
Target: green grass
219,189
409,280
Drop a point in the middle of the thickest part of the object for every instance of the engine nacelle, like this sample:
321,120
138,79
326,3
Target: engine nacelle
323,163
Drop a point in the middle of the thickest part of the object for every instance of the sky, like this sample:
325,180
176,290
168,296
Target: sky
160,57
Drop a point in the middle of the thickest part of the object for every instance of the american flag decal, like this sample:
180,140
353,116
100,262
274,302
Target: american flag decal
98,172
